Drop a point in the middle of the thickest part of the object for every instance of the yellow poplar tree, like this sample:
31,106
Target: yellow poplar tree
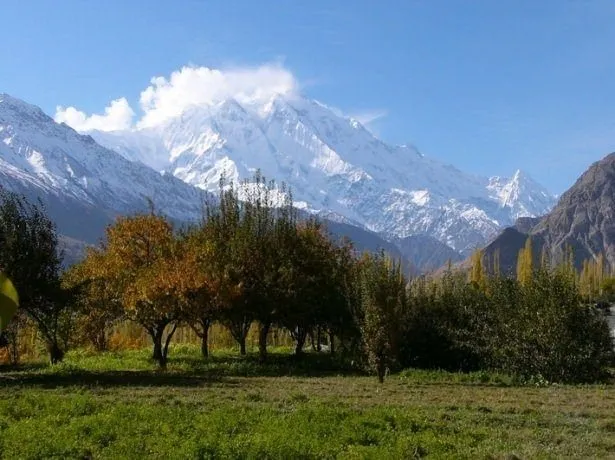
525,263
477,274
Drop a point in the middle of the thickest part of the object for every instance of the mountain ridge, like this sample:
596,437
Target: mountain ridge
583,219
333,164
357,181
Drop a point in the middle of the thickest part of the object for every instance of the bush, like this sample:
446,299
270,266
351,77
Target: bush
550,333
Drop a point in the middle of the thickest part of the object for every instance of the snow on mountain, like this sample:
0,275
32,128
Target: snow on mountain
522,194
334,166
71,171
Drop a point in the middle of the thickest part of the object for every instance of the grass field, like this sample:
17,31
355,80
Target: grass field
119,406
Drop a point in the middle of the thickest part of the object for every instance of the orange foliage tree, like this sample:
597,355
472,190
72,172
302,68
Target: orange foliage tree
147,265
98,304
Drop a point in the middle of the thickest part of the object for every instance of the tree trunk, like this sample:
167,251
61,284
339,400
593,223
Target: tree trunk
100,341
204,346
165,352
239,330
331,343
158,354
300,338
380,368
56,354
262,340
242,345
205,325
318,339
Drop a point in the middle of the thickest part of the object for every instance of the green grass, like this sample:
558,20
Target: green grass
119,406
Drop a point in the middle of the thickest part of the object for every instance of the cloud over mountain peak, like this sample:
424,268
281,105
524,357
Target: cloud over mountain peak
168,97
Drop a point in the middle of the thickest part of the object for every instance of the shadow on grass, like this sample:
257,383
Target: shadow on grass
277,365
182,371
105,379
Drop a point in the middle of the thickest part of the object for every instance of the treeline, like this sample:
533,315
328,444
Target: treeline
252,260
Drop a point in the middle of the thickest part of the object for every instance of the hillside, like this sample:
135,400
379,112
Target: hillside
583,219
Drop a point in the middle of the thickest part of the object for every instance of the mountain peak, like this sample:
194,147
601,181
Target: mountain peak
582,220
335,165
52,161
10,105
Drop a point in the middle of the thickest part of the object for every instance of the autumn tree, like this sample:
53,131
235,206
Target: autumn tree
591,279
98,305
478,273
144,262
525,263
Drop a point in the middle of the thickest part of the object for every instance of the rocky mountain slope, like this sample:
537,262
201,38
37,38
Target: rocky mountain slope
583,219
427,253
333,165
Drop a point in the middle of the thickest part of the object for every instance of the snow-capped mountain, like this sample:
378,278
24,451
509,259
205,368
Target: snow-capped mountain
79,180
524,196
335,166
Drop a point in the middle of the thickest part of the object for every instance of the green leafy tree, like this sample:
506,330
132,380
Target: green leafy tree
383,297
30,258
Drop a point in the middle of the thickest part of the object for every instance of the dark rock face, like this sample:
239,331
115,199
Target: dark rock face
583,219
525,224
426,253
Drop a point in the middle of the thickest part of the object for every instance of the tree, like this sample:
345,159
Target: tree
228,230
556,335
210,286
30,258
144,263
591,279
383,298
525,263
306,285
478,274
249,234
341,317
97,303
268,224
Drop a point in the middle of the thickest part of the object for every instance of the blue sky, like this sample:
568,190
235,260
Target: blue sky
487,85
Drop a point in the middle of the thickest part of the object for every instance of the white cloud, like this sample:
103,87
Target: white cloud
190,85
166,98
118,116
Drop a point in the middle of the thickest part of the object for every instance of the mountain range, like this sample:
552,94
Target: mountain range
583,220
388,196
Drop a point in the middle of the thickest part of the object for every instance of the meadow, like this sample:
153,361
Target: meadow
119,405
